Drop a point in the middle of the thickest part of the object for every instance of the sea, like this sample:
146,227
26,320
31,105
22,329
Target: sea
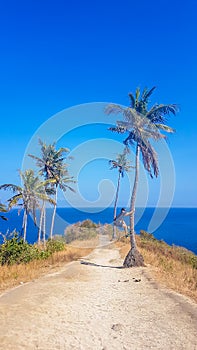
176,226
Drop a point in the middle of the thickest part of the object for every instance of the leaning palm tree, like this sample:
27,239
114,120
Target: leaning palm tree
123,165
27,196
141,125
52,167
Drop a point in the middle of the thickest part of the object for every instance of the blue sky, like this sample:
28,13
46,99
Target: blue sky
58,54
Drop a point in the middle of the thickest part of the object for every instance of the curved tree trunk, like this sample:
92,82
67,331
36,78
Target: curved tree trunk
54,212
134,258
115,205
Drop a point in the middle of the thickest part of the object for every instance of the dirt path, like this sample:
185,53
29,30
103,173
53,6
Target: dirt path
89,307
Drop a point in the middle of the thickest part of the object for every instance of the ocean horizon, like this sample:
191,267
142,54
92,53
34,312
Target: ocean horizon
179,227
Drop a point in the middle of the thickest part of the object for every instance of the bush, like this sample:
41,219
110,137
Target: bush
84,230
16,251
53,246
88,224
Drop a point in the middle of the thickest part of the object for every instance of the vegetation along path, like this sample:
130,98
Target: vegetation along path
92,304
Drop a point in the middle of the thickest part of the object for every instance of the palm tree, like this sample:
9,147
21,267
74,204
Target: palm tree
141,125
121,163
62,179
30,194
52,167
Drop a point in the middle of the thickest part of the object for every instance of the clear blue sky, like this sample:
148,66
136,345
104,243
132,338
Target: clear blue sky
57,54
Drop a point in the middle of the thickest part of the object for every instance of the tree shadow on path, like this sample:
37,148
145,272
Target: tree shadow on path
99,265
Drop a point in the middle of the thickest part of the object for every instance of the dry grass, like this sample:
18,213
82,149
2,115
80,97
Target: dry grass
11,276
166,266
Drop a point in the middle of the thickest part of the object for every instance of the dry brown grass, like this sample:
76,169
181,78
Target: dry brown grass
166,267
11,276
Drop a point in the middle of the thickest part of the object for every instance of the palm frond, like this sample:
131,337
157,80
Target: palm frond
114,164
131,115
39,162
46,198
152,133
122,124
47,182
113,109
129,141
13,188
150,160
63,150
3,208
14,200
165,128
158,113
118,129
65,187
132,99
137,94
147,94
3,218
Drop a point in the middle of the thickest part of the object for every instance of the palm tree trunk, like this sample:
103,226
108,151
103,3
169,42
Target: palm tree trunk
25,225
44,225
40,224
54,212
133,198
115,205
134,258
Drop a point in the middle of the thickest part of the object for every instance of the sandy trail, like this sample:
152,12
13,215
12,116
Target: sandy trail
87,307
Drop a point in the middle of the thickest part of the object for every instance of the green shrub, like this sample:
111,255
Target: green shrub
54,245
16,251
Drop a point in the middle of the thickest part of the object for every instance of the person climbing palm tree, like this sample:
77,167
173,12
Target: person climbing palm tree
119,220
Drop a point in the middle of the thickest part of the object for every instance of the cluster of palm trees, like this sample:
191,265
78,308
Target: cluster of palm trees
38,189
141,125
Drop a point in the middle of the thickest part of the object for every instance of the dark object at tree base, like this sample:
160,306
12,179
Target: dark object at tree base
133,259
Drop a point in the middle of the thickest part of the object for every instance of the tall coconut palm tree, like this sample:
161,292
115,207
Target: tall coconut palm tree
123,165
52,167
27,196
141,125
